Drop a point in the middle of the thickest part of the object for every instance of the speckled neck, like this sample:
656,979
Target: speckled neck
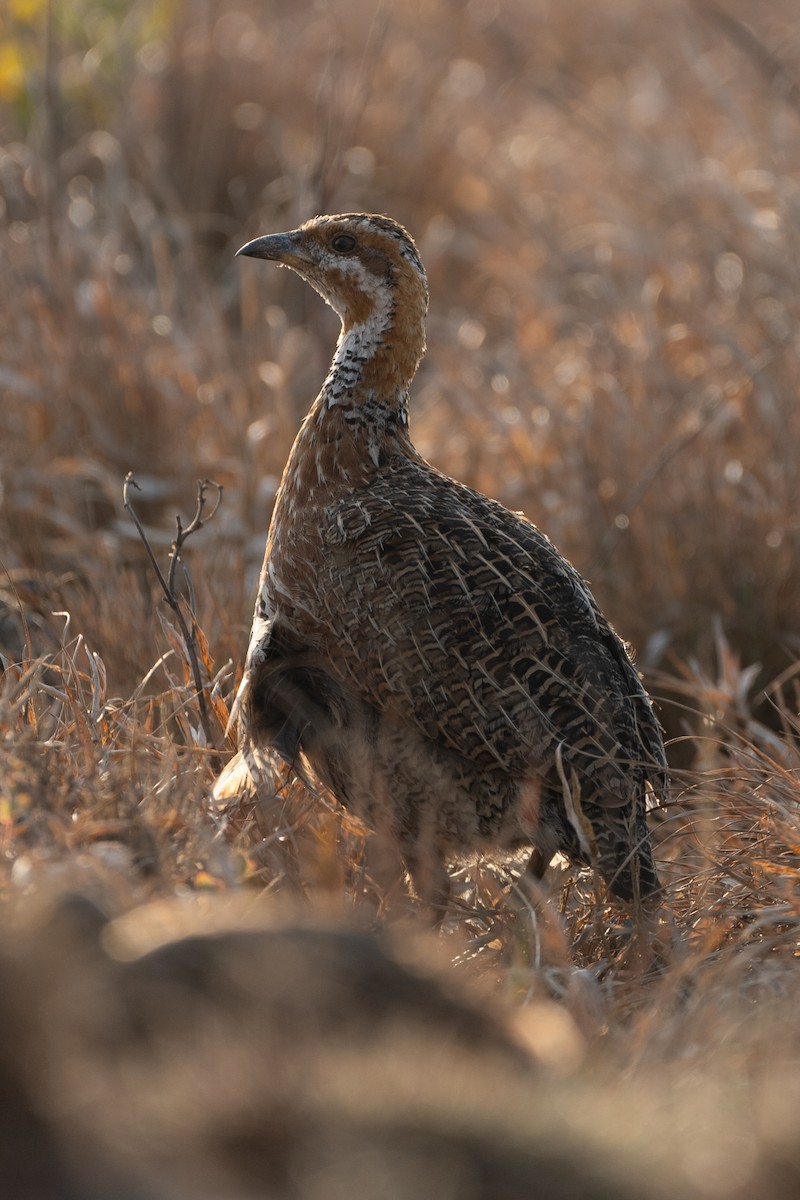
350,379
358,424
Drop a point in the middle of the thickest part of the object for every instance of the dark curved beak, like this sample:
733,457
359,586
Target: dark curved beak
275,246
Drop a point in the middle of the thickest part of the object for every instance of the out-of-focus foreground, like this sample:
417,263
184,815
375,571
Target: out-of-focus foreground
607,199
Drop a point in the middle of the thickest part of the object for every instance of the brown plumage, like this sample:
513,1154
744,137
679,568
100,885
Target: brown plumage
429,655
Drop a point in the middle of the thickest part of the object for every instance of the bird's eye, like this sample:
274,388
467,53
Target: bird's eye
343,243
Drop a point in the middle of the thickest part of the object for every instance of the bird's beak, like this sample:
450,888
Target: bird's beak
279,247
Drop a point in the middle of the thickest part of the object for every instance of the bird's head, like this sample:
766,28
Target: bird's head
365,266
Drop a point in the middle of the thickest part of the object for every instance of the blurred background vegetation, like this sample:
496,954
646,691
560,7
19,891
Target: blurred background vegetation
608,202
607,198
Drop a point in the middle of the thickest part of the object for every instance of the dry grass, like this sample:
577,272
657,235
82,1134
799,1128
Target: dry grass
607,198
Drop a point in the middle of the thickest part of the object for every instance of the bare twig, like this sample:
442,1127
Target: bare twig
197,522
188,629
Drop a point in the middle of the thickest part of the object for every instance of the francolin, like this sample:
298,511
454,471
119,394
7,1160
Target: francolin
420,650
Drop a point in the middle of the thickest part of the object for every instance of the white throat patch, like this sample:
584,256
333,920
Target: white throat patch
357,345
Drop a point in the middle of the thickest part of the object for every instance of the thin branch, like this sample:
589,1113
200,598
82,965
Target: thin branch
188,631
129,483
197,522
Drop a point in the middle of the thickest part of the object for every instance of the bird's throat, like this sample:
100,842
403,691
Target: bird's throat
358,423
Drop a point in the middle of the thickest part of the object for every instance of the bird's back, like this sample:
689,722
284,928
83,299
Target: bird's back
429,608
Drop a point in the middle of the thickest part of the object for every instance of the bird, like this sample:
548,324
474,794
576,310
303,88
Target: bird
424,653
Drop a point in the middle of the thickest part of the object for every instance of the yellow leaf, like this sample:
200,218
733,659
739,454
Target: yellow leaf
12,72
26,11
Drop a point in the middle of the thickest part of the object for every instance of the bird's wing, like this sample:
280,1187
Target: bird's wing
448,610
